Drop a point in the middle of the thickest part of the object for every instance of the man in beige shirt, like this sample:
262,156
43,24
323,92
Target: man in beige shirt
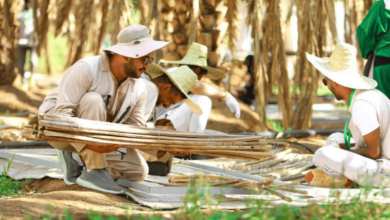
106,88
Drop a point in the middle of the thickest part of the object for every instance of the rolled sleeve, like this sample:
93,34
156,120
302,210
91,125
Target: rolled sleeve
137,116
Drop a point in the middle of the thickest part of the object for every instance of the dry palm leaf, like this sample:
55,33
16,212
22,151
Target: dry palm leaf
259,69
63,10
314,18
193,29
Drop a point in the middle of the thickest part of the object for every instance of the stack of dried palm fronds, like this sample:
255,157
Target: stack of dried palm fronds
283,166
49,127
203,180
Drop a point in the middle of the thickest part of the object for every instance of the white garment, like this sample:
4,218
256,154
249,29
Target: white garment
364,117
125,103
151,100
368,99
183,119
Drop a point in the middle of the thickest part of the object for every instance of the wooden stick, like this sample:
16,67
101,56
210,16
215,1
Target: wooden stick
285,198
164,184
293,191
244,184
288,184
227,183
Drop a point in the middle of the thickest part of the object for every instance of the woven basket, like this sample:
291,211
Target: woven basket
319,178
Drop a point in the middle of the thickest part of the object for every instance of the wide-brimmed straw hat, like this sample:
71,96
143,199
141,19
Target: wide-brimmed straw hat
342,68
197,56
135,41
183,78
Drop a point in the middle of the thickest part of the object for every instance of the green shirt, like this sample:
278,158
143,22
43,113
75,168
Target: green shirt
372,32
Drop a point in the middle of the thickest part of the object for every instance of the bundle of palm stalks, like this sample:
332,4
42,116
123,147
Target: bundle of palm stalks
48,127
283,166
203,180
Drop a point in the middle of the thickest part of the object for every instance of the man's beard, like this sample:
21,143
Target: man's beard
130,70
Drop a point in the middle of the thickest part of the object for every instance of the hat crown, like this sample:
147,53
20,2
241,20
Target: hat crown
343,58
197,55
183,77
133,33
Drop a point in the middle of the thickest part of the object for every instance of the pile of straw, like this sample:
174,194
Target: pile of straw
75,130
283,166
203,180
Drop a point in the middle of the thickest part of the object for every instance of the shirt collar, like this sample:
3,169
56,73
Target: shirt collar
105,62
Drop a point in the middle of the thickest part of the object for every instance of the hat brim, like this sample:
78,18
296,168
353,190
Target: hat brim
138,50
212,73
350,78
191,104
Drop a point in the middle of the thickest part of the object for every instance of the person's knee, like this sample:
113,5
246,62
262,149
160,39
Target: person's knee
335,138
91,99
92,107
320,157
144,170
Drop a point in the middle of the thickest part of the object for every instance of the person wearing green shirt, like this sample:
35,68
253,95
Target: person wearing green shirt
374,42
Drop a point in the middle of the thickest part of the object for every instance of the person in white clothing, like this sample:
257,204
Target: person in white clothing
362,153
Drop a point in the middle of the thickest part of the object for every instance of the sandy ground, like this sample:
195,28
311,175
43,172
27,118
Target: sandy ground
77,200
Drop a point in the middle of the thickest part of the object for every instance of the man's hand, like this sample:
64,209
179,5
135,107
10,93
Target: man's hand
164,124
102,149
180,154
233,105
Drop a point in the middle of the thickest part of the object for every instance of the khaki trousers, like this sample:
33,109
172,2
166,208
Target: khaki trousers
130,166
167,159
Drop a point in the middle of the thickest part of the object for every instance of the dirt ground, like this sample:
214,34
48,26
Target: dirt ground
76,199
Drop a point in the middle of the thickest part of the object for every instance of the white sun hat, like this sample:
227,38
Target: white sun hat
183,78
134,41
342,68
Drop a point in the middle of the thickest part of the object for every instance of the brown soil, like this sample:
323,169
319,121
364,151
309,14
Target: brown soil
221,119
76,199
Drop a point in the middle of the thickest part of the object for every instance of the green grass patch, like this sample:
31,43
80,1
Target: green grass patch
9,186
277,126
256,209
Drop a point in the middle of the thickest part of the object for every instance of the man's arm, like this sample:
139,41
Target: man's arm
201,88
364,116
207,90
373,148
137,115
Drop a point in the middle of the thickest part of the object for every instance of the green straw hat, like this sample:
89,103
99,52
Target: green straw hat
197,56
183,78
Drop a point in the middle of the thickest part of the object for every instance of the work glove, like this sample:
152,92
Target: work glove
233,105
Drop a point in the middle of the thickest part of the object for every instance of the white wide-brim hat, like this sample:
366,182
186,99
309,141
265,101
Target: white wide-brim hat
183,78
341,68
197,56
135,41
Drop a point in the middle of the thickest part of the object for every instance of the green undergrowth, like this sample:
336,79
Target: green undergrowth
255,209
9,186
